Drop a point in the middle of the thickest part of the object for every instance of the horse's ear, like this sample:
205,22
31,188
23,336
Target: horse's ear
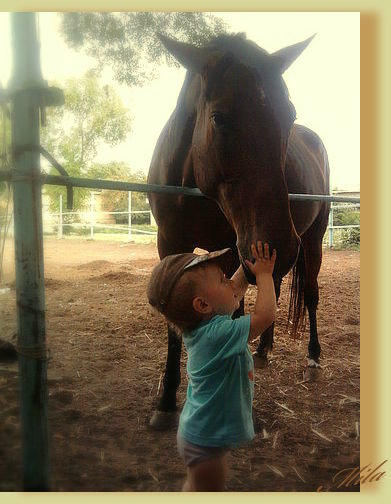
282,59
191,57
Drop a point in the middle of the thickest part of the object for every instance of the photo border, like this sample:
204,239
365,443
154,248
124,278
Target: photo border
375,271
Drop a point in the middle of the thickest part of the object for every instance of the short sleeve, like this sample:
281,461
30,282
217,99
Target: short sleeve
230,336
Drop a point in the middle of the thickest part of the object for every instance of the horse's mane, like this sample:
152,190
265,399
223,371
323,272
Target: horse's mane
239,46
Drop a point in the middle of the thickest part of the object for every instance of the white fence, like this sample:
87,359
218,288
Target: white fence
89,220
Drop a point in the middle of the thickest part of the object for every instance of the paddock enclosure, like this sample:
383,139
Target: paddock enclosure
107,352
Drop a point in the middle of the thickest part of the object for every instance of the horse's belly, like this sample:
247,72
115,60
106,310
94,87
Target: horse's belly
304,214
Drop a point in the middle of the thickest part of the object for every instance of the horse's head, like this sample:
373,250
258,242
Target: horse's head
239,146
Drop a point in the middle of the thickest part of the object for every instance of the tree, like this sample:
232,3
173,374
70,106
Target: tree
92,114
127,41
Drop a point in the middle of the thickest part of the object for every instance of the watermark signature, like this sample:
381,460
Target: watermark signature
354,476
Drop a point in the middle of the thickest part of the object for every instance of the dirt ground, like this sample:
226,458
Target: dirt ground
107,357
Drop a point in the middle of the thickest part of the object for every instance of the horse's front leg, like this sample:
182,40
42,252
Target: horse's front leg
265,346
165,416
240,311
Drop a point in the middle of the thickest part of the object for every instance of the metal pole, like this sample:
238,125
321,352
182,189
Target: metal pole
30,294
115,185
12,225
60,226
331,230
129,216
92,216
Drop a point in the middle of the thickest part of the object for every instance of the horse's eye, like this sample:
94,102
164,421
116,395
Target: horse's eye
219,119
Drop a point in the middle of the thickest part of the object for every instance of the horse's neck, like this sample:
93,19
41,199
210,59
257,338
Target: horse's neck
175,149
307,169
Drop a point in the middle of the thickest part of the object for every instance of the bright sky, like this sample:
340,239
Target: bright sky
324,82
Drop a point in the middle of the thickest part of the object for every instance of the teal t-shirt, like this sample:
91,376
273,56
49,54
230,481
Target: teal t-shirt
220,368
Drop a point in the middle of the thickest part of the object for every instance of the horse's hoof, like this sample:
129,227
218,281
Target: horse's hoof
312,374
164,420
260,361
8,352
311,363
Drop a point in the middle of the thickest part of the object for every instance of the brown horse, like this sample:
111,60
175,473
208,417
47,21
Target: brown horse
232,135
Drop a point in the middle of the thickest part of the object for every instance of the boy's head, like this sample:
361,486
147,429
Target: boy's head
189,288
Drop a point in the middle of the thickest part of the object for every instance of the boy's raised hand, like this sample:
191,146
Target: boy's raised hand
265,305
264,263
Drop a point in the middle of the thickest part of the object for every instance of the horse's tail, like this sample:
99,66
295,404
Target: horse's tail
296,315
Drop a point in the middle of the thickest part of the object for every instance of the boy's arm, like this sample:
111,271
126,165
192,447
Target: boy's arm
240,281
265,305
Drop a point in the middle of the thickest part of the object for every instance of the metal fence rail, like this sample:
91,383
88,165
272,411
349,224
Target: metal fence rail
115,185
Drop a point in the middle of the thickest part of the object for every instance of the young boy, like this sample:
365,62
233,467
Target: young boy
194,295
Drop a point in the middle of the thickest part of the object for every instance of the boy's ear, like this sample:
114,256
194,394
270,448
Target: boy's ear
201,306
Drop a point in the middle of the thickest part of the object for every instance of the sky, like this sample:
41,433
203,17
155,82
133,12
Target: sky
324,82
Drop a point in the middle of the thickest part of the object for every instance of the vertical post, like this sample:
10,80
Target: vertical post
92,219
60,218
129,216
331,230
12,225
25,87
152,218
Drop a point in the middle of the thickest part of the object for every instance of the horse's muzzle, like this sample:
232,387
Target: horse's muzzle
283,263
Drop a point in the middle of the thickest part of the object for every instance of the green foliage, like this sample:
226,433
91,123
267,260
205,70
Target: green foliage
346,217
127,41
92,114
351,238
145,227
